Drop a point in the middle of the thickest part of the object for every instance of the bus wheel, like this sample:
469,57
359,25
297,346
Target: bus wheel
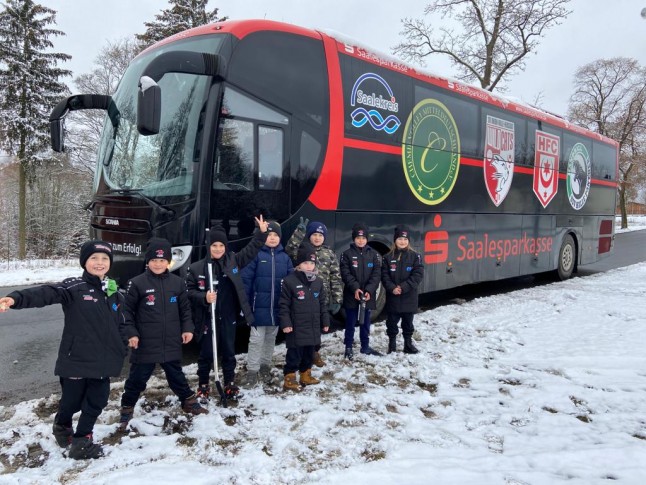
567,258
381,302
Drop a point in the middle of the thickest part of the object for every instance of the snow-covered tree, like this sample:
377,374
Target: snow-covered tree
182,15
486,40
30,81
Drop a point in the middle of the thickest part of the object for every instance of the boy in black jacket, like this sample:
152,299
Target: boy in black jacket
158,322
230,300
361,272
92,347
303,313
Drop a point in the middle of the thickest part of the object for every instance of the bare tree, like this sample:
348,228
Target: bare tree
490,39
610,98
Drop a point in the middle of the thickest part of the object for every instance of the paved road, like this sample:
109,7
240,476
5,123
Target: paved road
29,338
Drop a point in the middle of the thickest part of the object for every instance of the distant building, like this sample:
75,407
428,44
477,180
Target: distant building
633,208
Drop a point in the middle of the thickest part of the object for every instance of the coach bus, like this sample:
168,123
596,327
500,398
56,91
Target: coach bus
226,121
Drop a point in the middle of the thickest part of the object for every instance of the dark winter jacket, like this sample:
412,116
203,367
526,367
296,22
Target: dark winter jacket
360,270
93,344
303,306
197,283
158,312
262,278
404,269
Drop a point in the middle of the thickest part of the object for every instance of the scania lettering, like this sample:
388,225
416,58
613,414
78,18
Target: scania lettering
226,121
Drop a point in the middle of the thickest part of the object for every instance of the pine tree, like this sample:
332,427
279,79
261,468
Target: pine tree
183,15
31,87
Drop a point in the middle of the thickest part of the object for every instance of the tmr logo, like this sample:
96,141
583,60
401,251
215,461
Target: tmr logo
436,244
111,222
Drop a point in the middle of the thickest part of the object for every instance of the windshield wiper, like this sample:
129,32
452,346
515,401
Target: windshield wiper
163,213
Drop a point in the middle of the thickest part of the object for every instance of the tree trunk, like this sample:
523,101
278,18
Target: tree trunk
22,211
622,205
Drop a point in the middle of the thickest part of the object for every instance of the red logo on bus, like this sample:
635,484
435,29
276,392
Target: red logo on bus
546,167
436,244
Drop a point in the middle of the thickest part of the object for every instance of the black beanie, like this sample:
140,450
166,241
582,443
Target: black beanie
401,231
359,229
306,252
91,247
218,234
273,226
159,248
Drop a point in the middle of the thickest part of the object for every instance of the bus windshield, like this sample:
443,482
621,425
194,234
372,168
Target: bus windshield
160,166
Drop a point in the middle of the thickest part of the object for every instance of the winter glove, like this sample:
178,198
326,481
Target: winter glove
334,308
303,224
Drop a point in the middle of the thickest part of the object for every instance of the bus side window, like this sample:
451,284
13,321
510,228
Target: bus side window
234,162
270,158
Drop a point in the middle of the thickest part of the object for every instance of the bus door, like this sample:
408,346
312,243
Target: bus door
251,169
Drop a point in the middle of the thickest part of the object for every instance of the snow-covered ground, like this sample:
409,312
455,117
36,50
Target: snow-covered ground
538,386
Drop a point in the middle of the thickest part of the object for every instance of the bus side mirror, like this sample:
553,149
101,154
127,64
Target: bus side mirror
148,106
57,132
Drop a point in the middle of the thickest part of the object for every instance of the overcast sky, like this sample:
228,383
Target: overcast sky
596,29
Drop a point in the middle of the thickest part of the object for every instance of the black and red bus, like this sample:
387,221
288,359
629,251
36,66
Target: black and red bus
226,121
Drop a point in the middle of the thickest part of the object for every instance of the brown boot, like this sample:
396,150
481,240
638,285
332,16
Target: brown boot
290,383
317,361
307,379
191,406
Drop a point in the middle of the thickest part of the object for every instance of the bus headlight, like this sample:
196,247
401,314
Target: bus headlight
181,255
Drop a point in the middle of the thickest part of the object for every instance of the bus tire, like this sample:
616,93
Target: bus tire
381,303
567,258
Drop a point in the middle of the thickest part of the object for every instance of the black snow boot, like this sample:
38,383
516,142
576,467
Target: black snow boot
63,435
409,347
84,449
392,344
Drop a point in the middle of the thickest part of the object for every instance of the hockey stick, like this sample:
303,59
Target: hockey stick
216,371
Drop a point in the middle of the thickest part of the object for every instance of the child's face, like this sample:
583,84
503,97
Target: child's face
317,239
98,264
401,242
272,240
307,266
360,241
217,250
158,265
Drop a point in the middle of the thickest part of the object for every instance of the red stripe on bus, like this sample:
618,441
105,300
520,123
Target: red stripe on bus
325,195
372,146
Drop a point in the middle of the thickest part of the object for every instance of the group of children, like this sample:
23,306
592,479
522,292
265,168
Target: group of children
263,285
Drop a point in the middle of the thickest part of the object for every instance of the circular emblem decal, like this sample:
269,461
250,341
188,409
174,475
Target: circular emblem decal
431,151
578,176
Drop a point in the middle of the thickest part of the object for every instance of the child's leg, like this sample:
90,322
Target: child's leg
177,380
226,347
205,359
97,392
407,324
364,331
307,358
350,322
72,393
268,344
292,360
136,383
256,340
391,324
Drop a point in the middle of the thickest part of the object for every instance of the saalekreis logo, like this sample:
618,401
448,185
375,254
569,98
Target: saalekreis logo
431,151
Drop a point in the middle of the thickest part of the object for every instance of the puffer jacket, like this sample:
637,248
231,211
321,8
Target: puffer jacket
93,344
404,269
262,279
158,312
303,306
360,270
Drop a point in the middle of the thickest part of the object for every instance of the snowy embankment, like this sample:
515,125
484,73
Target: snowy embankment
538,386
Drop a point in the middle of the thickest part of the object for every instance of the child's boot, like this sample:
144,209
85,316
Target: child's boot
231,391
126,416
307,379
251,379
290,383
409,347
318,361
63,435
84,449
349,353
191,406
392,344
203,391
